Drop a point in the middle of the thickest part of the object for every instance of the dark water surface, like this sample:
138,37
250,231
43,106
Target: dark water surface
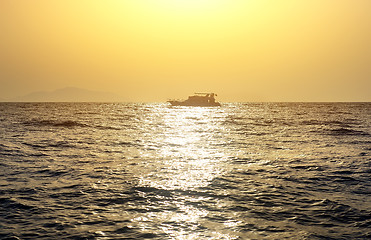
150,171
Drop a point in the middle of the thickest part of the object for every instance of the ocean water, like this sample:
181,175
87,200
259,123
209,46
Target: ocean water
151,171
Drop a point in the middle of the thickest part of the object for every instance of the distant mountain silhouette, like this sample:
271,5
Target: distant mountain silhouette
69,94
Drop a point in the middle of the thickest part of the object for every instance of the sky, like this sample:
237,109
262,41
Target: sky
153,50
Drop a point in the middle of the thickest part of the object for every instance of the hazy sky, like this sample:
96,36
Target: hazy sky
152,50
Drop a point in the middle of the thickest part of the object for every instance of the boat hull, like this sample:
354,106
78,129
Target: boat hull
193,104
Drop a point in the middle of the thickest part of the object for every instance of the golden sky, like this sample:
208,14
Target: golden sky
152,50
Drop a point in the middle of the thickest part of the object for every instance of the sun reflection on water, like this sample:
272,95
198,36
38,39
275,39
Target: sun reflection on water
185,158
187,161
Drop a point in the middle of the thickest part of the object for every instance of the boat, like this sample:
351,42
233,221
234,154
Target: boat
199,100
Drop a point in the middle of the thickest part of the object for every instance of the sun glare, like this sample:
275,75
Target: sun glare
188,7
189,4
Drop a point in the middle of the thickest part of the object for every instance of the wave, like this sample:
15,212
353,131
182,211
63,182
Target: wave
159,193
55,123
66,124
313,122
340,131
17,205
52,173
45,145
338,212
346,131
107,128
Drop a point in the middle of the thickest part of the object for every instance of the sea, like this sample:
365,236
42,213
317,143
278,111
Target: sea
152,171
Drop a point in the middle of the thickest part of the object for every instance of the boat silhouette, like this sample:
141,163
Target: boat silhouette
199,99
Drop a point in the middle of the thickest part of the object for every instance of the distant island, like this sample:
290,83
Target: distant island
68,94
